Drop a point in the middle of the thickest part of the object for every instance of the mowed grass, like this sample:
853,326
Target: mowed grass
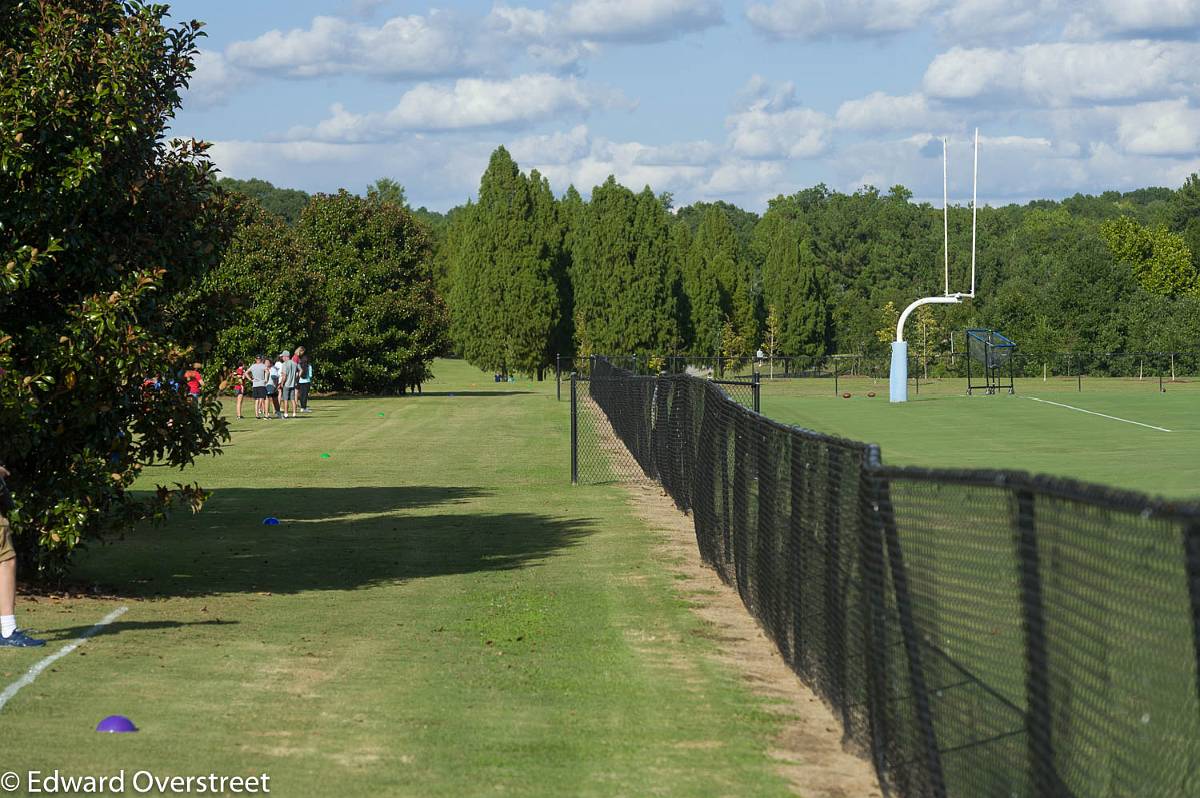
439,613
943,427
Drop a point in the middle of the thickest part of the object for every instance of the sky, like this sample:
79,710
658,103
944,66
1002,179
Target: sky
738,101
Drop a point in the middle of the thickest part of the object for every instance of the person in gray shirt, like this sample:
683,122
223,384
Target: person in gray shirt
289,372
259,373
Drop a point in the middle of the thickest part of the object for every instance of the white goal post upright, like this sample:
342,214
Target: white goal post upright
898,382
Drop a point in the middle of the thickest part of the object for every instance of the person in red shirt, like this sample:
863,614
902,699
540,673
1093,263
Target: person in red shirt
239,386
194,381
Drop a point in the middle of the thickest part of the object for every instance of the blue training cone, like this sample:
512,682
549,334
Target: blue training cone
270,520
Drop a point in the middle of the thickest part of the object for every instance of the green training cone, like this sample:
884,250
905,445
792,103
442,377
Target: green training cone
325,456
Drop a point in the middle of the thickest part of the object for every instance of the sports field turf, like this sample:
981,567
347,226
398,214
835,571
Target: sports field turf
438,614
943,427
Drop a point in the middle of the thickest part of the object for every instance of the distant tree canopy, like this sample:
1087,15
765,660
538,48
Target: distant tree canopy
386,189
283,202
506,271
528,276
621,273
351,281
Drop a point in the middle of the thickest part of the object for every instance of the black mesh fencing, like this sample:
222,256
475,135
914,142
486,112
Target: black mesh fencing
978,633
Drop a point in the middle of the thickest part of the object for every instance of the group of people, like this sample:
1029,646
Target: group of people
279,387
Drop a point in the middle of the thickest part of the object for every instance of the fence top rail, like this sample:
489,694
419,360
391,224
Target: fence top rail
1102,496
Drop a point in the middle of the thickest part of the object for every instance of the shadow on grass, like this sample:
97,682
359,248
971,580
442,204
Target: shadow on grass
326,539
348,397
470,393
72,632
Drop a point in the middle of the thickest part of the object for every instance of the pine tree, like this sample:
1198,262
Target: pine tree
679,247
505,269
796,286
711,281
621,272
571,209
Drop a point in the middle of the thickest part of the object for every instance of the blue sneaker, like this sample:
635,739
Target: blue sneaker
19,639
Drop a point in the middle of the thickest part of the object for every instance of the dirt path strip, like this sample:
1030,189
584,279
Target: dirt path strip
41,665
809,749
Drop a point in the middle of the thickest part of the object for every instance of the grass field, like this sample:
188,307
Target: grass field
943,427
439,614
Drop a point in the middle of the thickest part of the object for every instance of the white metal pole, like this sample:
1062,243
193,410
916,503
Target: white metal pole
974,209
946,215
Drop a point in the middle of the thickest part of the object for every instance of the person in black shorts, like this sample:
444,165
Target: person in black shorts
260,374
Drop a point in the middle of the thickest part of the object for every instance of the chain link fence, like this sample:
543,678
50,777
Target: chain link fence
978,633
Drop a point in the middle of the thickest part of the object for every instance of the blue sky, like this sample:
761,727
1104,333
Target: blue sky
739,101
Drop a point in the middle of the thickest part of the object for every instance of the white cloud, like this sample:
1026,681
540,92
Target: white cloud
1148,16
214,80
639,20
998,20
1067,73
416,46
969,21
771,125
683,153
468,103
742,177
439,173
693,170
878,111
807,19
1012,168
558,148
447,44
1170,127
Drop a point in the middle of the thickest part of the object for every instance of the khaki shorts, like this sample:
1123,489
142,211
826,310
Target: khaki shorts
6,547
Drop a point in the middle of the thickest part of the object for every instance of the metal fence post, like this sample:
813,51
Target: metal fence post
1038,714
757,392
871,554
930,752
574,431
558,377
1191,548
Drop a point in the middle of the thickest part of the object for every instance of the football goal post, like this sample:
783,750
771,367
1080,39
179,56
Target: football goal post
898,382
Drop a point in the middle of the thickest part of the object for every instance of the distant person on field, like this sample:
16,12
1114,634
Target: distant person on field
260,374
304,381
194,380
10,635
273,388
239,385
289,372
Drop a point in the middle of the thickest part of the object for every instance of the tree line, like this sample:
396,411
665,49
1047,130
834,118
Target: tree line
529,276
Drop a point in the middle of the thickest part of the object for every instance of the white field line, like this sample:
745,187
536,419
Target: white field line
1093,413
37,669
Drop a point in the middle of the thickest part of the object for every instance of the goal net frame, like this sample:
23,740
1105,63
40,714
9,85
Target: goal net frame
993,354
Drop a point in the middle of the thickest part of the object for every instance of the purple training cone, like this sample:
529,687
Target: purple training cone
116,723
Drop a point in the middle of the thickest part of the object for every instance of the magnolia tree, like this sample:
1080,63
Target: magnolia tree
102,222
